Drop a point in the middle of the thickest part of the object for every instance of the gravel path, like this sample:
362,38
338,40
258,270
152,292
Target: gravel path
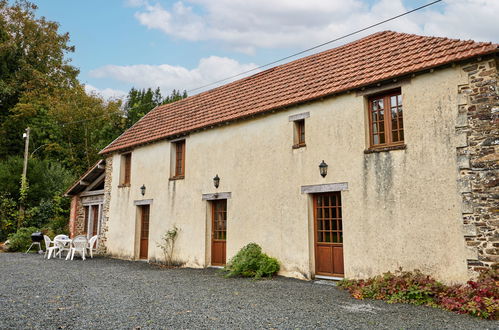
114,294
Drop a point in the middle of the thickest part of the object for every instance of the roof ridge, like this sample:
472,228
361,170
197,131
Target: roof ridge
345,67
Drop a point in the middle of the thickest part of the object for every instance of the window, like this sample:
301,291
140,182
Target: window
179,163
299,133
126,163
298,121
386,125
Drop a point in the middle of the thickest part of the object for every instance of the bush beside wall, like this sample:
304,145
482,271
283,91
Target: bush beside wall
478,298
250,261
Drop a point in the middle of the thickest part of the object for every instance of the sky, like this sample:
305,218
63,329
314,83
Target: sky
187,44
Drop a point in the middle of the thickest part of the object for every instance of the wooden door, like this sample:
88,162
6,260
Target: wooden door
95,222
144,231
218,232
328,234
95,219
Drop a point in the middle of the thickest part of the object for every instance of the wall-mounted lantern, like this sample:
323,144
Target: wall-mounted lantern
323,169
143,190
216,181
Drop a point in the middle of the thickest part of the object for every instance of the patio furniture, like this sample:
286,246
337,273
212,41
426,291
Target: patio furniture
48,248
61,243
79,244
92,246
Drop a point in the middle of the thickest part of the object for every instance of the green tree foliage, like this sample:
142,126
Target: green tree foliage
44,201
140,101
8,215
34,70
39,88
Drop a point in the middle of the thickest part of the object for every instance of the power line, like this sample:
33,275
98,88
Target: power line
318,46
281,59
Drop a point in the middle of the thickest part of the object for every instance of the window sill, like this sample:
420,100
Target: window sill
385,149
178,177
123,185
298,146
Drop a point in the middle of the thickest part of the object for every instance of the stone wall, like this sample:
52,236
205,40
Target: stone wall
79,225
102,249
478,163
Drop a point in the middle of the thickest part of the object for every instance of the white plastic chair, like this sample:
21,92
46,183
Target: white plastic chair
79,244
91,243
48,249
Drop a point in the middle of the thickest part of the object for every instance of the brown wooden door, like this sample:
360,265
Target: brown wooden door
144,231
95,219
328,234
218,232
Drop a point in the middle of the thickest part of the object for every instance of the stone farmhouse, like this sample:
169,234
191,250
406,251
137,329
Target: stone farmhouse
379,154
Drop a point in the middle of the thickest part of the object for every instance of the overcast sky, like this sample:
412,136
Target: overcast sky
186,44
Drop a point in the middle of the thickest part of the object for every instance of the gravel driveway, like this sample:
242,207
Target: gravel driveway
109,294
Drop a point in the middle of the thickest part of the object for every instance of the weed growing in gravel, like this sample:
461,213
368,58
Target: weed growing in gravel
479,298
250,261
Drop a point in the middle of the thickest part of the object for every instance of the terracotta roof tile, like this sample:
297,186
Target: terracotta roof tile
377,57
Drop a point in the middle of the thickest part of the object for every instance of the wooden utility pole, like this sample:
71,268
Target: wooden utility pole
23,178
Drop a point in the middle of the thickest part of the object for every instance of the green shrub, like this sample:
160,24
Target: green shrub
59,225
251,262
8,215
21,240
479,298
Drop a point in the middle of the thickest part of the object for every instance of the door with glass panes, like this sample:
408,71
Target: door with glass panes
328,232
218,232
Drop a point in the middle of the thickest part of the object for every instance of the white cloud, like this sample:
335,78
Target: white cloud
465,19
169,77
248,25
106,93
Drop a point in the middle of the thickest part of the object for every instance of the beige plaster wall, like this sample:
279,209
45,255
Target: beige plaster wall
402,208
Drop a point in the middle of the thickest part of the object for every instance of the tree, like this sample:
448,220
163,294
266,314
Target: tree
139,102
34,69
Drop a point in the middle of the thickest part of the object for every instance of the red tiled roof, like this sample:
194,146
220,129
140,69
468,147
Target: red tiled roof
377,57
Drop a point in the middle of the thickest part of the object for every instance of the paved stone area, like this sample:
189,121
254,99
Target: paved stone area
115,294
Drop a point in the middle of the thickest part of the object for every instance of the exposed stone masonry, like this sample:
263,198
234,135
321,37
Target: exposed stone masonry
102,249
477,132
80,218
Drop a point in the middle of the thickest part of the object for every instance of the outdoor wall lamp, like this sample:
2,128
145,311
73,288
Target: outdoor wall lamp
143,189
216,181
323,169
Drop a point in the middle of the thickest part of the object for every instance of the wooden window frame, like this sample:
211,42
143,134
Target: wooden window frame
387,121
299,131
178,167
126,170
